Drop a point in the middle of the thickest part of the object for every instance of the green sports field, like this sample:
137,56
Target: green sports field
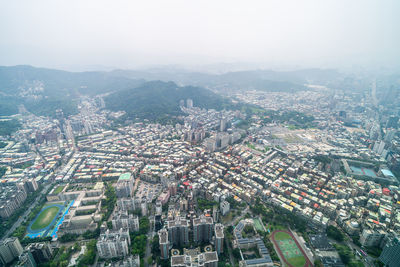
258,225
289,249
45,218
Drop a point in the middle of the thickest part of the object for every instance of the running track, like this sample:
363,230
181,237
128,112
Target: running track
308,262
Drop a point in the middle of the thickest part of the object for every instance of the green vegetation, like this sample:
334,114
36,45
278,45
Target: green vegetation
204,204
335,233
297,261
347,256
109,202
139,245
58,189
89,257
45,218
62,257
3,171
24,165
282,236
144,225
248,231
323,159
7,127
374,251
3,144
295,119
6,224
48,106
68,237
159,101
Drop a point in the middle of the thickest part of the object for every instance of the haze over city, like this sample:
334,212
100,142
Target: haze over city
78,35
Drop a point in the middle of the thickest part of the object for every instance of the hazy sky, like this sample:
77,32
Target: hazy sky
131,33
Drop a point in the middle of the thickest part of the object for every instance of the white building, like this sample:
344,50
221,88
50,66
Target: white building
113,244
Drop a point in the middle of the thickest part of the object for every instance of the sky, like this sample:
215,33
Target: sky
134,34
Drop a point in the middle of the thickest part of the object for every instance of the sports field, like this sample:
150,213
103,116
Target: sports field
45,217
289,249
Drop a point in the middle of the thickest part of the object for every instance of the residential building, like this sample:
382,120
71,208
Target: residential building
178,231
390,255
121,219
10,248
219,238
203,229
164,243
113,244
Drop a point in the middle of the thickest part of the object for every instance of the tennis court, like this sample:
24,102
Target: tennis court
258,224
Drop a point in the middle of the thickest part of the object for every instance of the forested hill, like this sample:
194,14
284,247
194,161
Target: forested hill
42,91
157,100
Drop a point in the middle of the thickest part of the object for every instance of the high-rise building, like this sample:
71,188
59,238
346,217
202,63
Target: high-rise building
371,238
390,255
224,206
219,238
60,118
223,125
143,207
10,248
41,252
112,244
121,219
26,260
392,122
192,258
203,229
124,187
126,204
189,103
390,135
164,243
178,231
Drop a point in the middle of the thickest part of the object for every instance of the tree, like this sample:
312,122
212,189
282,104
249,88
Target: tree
144,225
334,233
236,253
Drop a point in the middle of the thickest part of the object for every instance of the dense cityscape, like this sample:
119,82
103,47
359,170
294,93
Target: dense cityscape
308,181
206,133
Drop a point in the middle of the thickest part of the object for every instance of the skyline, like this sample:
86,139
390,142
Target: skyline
88,35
